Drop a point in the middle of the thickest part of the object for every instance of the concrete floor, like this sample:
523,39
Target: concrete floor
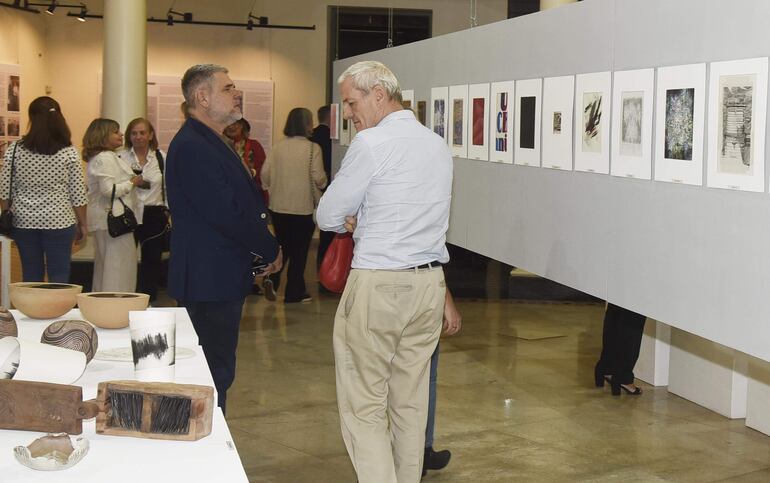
516,402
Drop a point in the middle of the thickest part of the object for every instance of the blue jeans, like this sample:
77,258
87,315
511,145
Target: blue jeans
45,248
217,325
432,399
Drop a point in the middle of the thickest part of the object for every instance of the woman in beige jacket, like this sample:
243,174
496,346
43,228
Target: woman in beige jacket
294,176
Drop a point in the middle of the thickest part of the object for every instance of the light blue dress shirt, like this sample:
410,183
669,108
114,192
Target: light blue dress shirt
396,178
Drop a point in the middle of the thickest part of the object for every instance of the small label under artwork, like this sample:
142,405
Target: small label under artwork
629,175
556,167
677,180
230,445
590,170
733,187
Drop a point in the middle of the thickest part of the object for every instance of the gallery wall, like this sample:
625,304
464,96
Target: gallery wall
295,60
690,256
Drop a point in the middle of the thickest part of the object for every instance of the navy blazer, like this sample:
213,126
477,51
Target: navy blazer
219,218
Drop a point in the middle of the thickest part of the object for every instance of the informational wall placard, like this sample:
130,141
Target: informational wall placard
478,128
679,111
632,123
164,107
527,122
258,109
501,97
558,96
592,133
737,117
10,105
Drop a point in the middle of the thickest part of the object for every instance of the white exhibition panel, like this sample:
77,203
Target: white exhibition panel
558,102
115,458
689,256
632,123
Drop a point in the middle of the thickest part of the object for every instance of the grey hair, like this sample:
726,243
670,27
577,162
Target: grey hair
195,76
369,73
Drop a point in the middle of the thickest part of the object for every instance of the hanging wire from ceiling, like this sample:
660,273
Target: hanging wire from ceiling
390,28
474,17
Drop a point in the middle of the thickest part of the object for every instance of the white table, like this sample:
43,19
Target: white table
114,458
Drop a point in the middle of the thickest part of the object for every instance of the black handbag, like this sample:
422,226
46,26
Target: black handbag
6,217
120,224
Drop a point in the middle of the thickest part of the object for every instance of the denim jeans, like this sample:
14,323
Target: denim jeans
41,249
432,398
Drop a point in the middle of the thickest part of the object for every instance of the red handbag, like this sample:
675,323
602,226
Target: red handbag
335,266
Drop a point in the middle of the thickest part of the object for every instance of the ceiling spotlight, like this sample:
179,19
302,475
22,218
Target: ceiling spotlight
51,8
83,13
250,24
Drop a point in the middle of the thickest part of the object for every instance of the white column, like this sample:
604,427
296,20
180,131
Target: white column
124,80
546,4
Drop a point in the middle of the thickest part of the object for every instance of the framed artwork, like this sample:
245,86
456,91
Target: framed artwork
407,99
737,119
334,121
422,111
345,125
478,130
527,122
680,100
458,120
501,99
438,110
592,120
558,101
632,123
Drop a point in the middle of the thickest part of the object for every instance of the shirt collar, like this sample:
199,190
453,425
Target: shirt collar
397,116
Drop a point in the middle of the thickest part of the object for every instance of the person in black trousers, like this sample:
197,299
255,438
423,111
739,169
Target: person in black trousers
322,137
621,340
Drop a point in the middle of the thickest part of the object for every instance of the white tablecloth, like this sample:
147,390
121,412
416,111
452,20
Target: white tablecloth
114,458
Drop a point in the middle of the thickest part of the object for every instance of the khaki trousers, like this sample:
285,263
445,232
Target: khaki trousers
386,328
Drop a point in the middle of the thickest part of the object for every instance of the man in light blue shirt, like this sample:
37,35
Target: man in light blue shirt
393,192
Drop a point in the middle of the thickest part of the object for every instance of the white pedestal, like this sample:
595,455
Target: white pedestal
652,365
708,374
758,399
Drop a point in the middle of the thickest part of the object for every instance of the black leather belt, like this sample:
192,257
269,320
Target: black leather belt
426,265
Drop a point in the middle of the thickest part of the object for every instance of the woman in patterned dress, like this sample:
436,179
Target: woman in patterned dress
43,177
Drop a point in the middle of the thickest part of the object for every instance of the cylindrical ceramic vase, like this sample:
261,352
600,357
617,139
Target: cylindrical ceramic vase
153,345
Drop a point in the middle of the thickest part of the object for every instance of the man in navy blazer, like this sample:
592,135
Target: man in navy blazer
220,220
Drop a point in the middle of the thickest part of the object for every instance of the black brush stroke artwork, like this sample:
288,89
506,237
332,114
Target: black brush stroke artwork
527,125
155,345
594,110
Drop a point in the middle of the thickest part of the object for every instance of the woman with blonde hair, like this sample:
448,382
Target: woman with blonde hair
114,258
294,176
142,155
42,178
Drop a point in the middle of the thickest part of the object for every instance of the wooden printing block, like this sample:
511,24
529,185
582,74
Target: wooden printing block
154,410
41,406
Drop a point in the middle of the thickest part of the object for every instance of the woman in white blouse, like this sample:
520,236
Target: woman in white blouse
114,258
43,176
142,156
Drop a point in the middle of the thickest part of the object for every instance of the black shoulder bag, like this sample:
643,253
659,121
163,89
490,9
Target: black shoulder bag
6,217
120,224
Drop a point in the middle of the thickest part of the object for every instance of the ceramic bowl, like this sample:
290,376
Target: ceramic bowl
52,452
109,310
42,300
77,335
7,323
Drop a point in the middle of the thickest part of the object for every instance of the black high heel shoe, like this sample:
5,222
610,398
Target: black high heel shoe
599,376
616,388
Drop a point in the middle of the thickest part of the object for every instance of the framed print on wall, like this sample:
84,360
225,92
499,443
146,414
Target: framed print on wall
737,119
632,123
438,110
478,130
592,119
407,99
680,99
558,101
527,122
501,98
458,120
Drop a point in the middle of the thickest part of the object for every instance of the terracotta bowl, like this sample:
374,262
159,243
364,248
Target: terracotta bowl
42,300
109,310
